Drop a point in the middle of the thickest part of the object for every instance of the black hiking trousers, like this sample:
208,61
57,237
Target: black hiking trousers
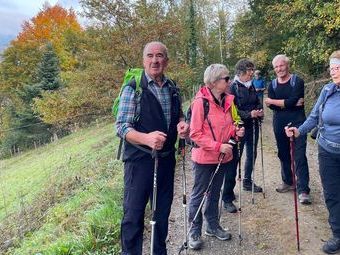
329,164
280,120
228,194
138,190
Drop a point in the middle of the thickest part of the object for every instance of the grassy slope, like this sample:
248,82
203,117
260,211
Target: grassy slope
64,198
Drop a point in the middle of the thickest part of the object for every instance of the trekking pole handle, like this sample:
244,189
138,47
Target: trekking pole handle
239,123
292,137
181,144
232,142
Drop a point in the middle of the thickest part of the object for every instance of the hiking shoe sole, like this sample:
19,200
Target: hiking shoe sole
305,202
285,190
195,248
256,190
230,207
228,237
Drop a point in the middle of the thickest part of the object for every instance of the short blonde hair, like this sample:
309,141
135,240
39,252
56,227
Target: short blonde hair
214,72
280,57
335,54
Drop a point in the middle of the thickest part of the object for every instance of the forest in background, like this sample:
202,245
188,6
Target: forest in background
57,76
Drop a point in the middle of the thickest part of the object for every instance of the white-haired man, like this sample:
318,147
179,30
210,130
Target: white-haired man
285,98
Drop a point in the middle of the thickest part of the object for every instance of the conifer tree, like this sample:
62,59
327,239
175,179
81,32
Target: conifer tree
49,70
26,126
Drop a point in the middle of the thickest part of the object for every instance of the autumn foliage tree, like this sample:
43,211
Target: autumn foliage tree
24,75
52,24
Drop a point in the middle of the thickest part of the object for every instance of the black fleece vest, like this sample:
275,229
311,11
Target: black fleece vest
152,118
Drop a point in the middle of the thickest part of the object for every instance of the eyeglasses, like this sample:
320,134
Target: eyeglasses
334,69
250,69
227,78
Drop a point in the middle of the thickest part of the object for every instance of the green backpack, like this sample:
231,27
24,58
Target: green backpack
130,75
133,78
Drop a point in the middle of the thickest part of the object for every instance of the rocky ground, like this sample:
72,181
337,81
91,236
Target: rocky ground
268,225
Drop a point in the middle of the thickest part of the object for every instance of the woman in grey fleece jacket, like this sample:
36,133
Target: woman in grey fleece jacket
325,116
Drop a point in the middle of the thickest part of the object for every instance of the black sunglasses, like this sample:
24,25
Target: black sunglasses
227,78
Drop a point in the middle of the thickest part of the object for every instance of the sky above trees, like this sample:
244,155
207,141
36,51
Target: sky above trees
14,12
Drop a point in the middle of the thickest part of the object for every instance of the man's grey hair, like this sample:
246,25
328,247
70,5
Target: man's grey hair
280,57
214,72
165,49
243,65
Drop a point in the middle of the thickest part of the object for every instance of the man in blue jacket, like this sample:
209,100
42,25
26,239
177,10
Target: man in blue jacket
259,84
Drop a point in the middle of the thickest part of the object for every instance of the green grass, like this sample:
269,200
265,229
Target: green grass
65,197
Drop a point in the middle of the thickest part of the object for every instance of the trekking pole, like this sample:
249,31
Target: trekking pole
262,165
253,172
220,157
181,150
154,200
292,166
239,178
221,200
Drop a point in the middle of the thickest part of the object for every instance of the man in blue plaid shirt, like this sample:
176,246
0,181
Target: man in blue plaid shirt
160,119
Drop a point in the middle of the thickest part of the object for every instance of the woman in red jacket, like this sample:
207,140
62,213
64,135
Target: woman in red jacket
212,136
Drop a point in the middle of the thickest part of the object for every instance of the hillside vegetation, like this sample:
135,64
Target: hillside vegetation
64,197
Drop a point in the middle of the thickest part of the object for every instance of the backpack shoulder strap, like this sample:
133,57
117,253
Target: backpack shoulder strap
293,80
205,107
274,84
172,82
133,84
139,87
330,90
234,88
174,90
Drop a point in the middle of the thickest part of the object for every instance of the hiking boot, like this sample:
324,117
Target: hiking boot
332,246
247,186
195,241
304,198
283,188
219,233
230,207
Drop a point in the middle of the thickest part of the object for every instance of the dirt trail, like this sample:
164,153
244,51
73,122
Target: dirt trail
268,226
